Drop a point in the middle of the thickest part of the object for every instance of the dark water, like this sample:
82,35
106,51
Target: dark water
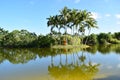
95,63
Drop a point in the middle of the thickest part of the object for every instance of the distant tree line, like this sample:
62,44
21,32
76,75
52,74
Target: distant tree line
103,38
24,38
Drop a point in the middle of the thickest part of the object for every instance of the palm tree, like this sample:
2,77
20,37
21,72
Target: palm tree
55,22
65,18
91,23
65,12
51,22
73,19
86,22
59,25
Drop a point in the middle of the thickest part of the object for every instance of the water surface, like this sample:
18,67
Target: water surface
95,63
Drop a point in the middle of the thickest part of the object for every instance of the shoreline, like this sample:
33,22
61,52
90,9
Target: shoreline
69,46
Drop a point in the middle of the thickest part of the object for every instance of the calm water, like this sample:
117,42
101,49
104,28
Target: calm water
95,63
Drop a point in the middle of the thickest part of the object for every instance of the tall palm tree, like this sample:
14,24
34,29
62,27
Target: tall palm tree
59,25
65,15
73,18
51,22
90,23
55,22
87,22
65,18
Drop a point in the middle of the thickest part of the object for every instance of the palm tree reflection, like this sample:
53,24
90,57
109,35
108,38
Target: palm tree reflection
77,69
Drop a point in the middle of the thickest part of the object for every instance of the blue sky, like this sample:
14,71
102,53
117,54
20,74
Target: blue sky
31,14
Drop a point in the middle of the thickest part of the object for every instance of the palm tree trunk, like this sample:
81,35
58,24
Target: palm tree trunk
82,37
88,35
60,36
73,30
52,61
66,34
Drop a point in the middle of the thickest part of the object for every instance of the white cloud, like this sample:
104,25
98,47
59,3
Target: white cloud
118,22
95,15
117,16
107,15
77,1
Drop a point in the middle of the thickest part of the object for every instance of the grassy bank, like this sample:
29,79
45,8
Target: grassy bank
69,46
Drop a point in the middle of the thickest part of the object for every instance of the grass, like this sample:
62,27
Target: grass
69,46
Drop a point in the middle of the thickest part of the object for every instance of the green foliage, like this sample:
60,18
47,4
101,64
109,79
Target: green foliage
72,19
76,40
45,41
16,56
71,40
21,38
117,35
24,38
115,41
104,38
103,41
3,33
104,49
90,40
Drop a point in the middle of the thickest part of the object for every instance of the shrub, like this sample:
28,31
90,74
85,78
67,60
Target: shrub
45,41
114,41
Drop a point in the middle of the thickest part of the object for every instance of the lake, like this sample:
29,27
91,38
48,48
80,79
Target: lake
95,63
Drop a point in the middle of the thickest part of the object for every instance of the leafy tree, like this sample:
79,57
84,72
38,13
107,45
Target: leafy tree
91,40
3,33
21,38
104,38
45,41
117,35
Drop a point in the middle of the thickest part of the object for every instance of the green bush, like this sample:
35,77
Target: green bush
114,41
117,35
90,40
71,40
45,41
104,38
103,41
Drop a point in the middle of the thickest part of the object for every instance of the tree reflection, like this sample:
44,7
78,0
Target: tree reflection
16,56
92,49
104,49
78,69
2,57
